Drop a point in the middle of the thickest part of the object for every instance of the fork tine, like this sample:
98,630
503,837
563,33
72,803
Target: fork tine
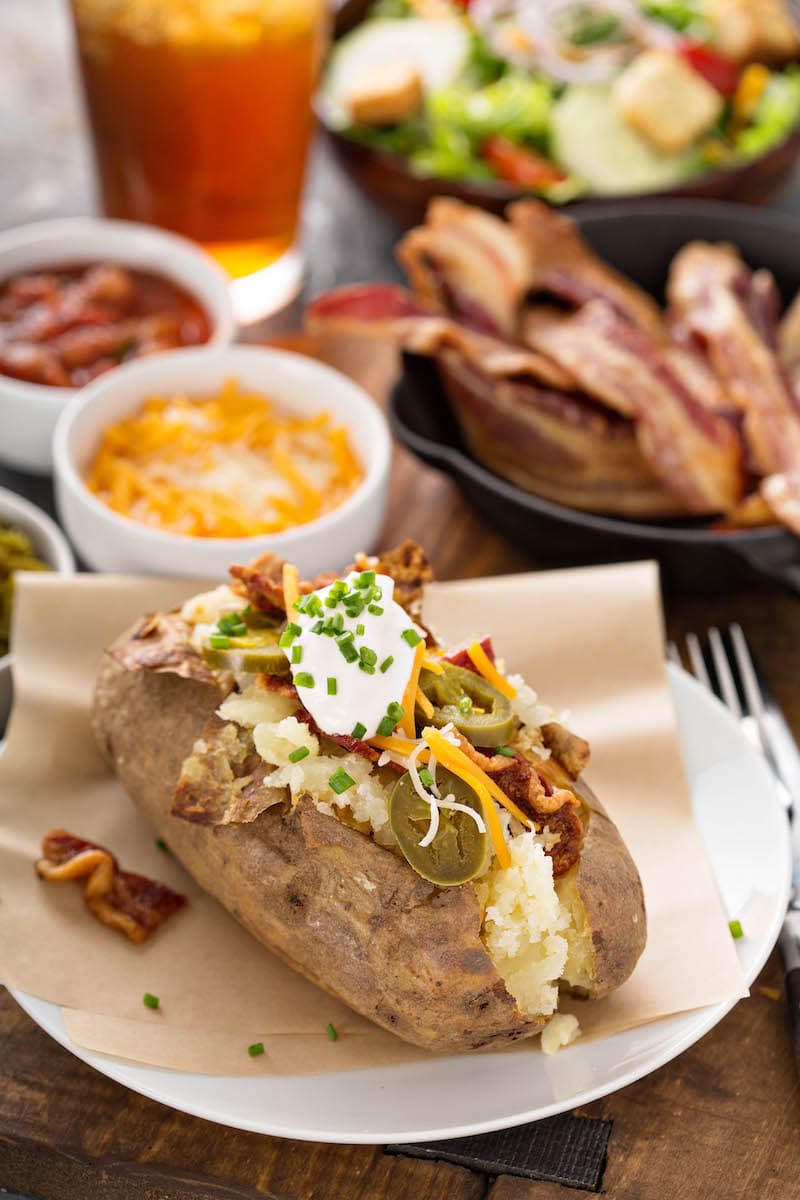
696,659
724,675
747,672
674,654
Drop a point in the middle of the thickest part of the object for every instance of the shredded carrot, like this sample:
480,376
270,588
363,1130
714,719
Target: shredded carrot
291,588
489,671
457,762
410,694
227,465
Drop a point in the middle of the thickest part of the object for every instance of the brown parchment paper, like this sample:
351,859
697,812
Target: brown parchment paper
589,640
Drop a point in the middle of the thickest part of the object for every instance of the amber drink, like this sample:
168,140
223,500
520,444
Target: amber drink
201,117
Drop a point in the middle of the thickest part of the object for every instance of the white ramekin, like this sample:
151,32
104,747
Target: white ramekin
29,411
50,545
110,542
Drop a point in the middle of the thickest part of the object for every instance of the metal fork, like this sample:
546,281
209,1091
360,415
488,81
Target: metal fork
726,667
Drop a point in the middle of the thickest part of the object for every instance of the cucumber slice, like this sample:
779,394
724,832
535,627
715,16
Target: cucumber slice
590,139
438,49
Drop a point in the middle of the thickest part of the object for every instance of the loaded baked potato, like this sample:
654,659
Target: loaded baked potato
402,824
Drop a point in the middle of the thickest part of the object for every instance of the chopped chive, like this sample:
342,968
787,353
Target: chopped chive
358,730
286,639
340,781
162,845
359,630
239,630
349,651
736,929
331,601
333,687
318,626
219,641
411,636
330,1029
256,1050
506,751
376,610
338,588
149,1000
425,777
297,655
354,607
386,727
367,668
293,629
465,704
337,622
365,579
395,711
387,662
299,754
347,636
368,656
303,679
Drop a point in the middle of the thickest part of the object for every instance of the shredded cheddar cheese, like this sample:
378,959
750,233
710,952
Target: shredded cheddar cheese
430,664
410,694
402,747
448,755
291,589
424,703
489,671
456,761
227,465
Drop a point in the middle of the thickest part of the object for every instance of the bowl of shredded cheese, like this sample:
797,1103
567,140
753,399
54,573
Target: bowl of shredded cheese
178,464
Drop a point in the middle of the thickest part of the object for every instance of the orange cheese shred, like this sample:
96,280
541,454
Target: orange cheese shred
424,703
291,586
430,664
456,761
402,747
410,693
458,755
489,671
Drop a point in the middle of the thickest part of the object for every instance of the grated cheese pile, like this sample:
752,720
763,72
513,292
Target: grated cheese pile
229,465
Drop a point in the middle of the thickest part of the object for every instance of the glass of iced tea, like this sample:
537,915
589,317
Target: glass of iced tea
201,119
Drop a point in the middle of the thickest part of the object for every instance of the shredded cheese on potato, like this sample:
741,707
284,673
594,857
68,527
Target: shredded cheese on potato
227,465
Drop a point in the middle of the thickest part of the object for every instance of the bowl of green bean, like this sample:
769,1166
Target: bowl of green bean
29,541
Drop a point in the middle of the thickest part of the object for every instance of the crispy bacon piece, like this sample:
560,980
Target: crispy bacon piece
729,311
694,452
461,658
280,685
351,744
364,308
407,564
134,905
555,808
467,263
261,582
563,265
782,495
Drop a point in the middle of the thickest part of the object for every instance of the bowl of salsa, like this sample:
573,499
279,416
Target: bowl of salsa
81,297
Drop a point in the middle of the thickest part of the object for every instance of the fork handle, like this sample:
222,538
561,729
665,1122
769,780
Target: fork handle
793,1000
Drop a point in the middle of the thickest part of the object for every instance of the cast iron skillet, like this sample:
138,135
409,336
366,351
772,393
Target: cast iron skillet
640,241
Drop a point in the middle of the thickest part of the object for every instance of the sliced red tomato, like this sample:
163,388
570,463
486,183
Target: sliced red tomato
721,72
518,164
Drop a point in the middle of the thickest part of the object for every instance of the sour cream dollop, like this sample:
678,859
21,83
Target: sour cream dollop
351,659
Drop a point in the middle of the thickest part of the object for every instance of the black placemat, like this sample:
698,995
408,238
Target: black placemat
564,1149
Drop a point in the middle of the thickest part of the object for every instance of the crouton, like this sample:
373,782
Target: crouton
385,96
664,100
754,30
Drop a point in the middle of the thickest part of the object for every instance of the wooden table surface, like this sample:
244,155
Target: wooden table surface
721,1121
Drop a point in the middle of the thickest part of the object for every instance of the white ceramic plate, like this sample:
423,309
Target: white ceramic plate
455,1097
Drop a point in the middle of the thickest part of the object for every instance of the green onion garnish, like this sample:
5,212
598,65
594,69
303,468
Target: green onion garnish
286,639
318,626
386,727
425,777
736,929
395,711
368,656
256,1050
303,679
219,641
387,662
506,751
338,588
348,650
354,606
299,754
297,655
359,630
331,1032
365,579
149,1000
358,730
376,610
412,637
465,704
340,781
331,600
367,668
333,687
162,845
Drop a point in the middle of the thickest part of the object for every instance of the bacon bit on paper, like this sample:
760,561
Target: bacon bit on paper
770,993
134,905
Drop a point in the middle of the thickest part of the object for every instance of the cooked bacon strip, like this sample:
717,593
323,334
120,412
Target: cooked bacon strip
134,905
467,263
261,582
695,453
376,308
461,658
716,297
564,265
279,685
351,744
789,336
408,565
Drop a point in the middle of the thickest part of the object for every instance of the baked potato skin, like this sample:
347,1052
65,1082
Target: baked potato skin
349,915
